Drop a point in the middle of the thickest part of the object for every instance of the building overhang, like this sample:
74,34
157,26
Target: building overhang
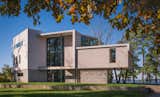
57,34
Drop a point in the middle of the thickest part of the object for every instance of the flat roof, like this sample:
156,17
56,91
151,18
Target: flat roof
65,32
57,33
104,46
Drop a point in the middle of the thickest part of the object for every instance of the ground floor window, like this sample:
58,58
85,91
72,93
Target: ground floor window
55,76
19,74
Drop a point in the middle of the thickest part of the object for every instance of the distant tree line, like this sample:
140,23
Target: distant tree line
145,58
6,75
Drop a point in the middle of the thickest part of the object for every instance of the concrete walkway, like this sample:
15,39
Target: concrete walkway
155,90
154,95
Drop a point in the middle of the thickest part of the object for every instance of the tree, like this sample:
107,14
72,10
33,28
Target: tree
1,77
135,68
145,46
7,74
101,30
153,64
133,58
122,14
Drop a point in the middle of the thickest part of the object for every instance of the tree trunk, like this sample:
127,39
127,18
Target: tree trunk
119,79
133,77
156,78
116,76
143,64
115,73
149,77
156,75
124,76
126,73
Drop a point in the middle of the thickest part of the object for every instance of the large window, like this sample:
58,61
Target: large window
112,55
55,51
86,41
55,75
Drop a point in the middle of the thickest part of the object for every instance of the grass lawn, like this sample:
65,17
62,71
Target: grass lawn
65,84
21,92
49,93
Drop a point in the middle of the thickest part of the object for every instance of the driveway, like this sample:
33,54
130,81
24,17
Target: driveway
154,95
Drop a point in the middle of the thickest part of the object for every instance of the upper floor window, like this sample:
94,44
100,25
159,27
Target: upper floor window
112,55
55,51
19,44
86,41
19,59
15,61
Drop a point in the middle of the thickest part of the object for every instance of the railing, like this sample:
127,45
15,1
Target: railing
152,82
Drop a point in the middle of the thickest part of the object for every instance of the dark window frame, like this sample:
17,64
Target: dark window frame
112,55
16,60
86,41
56,75
19,59
55,51
19,44
19,74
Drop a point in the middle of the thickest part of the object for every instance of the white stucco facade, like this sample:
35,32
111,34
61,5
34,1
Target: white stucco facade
30,55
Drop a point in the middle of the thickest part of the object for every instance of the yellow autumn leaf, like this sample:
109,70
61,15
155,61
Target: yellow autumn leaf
158,14
125,20
69,1
59,18
119,16
83,8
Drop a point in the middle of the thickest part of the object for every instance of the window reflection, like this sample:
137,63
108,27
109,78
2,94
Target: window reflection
86,41
55,51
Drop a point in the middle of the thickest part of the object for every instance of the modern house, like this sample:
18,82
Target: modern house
65,56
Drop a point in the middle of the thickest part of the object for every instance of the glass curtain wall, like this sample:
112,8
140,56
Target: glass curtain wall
55,57
55,51
86,41
55,75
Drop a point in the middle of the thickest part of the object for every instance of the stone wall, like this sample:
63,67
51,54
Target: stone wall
93,76
76,87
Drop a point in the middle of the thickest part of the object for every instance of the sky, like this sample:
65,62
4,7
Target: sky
11,26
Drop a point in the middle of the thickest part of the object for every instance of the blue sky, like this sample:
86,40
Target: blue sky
11,26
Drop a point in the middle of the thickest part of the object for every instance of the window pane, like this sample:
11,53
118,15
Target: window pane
86,41
55,51
112,55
